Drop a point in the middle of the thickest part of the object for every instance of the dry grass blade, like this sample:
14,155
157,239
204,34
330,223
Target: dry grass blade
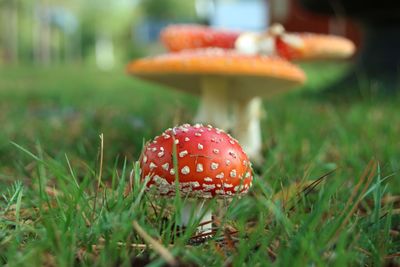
393,256
298,189
156,246
271,254
129,186
230,243
316,182
134,246
100,174
366,179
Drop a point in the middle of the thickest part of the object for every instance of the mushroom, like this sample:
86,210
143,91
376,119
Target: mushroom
209,164
274,41
228,83
294,46
191,36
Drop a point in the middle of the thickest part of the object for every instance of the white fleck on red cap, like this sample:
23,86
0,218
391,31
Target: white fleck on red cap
210,163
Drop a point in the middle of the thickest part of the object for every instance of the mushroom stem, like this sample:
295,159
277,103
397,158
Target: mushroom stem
195,208
213,108
247,128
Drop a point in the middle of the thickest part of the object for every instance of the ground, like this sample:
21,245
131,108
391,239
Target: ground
65,200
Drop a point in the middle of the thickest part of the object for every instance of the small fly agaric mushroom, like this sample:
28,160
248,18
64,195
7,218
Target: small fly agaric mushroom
191,36
210,163
274,41
294,46
225,80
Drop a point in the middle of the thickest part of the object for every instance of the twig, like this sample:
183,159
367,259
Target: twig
156,246
393,256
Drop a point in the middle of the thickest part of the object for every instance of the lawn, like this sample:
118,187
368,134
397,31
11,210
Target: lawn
64,199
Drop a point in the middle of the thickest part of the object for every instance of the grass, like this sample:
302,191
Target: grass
64,196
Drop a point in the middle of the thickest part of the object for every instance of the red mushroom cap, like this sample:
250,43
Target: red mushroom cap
209,163
190,36
314,46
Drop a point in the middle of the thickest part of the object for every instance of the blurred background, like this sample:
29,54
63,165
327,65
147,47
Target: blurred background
107,33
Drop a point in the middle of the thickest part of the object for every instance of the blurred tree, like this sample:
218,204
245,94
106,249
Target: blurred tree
9,30
104,24
51,31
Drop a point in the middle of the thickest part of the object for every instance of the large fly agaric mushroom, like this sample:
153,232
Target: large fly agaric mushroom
227,82
209,163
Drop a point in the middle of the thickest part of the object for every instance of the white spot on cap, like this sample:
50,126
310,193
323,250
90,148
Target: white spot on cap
152,165
208,187
232,174
247,175
200,146
183,153
165,166
166,136
189,184
187,139
216,151
227,162
172,171
160,181
232,142
186,189
228,185
218,185
214,165
244,163
173,130
185,170
154,149
236,188
208,179
201,130
160,154
218,131
145,159
197,125
220,175
176,141
197,134
199,167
